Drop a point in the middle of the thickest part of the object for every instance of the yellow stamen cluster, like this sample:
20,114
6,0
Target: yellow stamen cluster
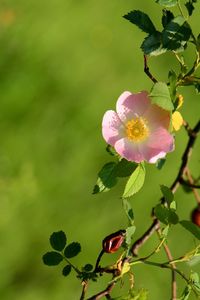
137,129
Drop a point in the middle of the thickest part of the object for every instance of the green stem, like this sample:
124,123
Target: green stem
75,268
180,9
166,266
195,66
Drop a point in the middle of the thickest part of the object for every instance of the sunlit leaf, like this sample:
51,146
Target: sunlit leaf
160,96
167,3
186,293
135,182
128,210
194,278
129,234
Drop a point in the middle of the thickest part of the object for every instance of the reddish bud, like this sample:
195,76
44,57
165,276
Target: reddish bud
113,242
195,216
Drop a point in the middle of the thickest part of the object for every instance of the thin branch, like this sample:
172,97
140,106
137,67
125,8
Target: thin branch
136,246
84,289
147,71
186,155
98,260
187,127
168,266
157,249
191,181
194,67
174,284
189,184
104,293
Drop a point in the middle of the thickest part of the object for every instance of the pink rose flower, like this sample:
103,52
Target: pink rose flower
138,130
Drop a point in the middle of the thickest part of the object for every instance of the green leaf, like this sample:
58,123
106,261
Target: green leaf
87,268
186,293
172,84
198,42
152,45
173,205
160,96
141,20
128,210
167,3
52,258
172,217
165,215
166,17
176,34
167,194
129,234
124,168
135,182
190,7
186,188
197,87
133,294
161,213
194,278
165,231
58,240
160,163
195,260
72,250
111,151
66,270
106,178
192,228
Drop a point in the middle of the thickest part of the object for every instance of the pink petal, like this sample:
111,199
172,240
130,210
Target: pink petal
159,143
156,116
132,105
112,127
129,150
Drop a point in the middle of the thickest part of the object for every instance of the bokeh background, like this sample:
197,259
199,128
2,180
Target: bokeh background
62,65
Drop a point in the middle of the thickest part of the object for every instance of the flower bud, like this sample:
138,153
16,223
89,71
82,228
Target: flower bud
195,216
113,242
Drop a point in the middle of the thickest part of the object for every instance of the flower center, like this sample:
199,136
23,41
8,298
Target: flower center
137,129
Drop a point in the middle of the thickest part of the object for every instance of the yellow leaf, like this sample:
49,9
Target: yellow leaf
125,268
177,120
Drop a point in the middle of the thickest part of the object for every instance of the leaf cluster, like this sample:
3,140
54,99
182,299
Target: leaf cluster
110,172
61,251
174,36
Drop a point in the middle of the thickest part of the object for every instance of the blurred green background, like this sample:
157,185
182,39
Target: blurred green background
62,65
